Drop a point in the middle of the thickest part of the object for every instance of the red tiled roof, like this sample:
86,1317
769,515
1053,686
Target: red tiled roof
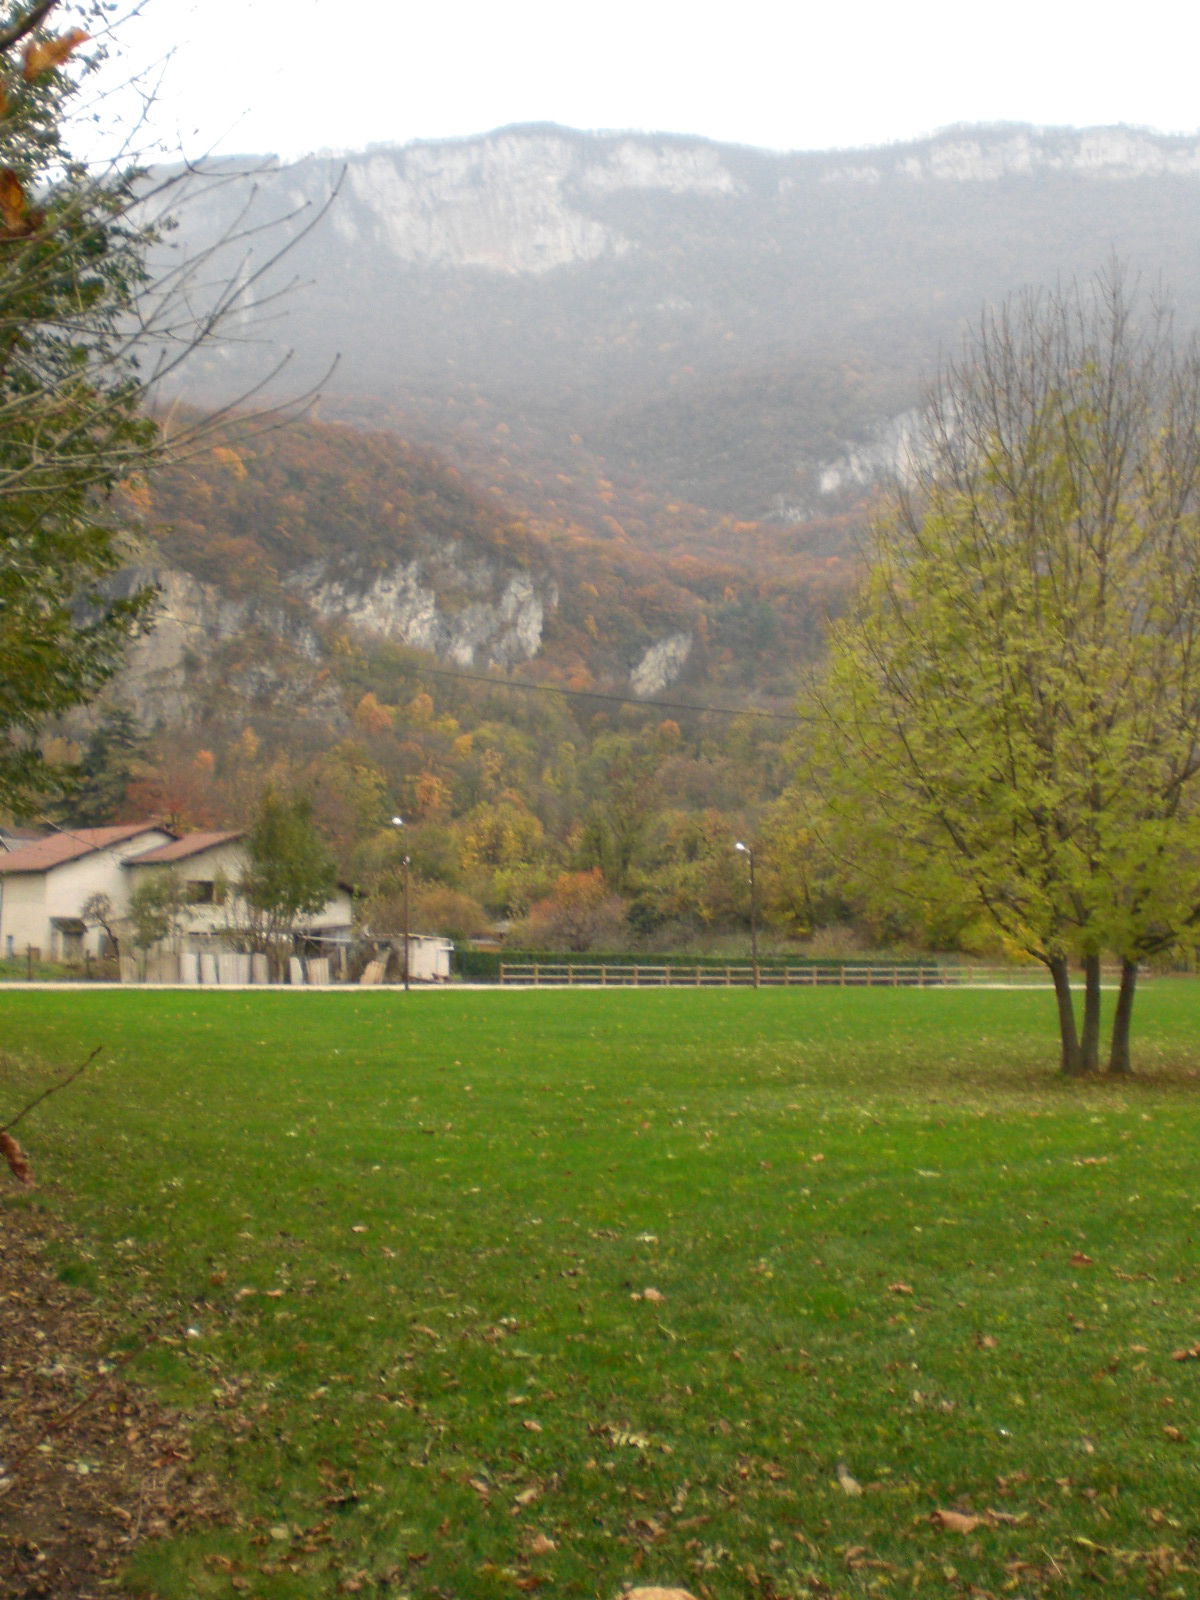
13,838
192,844
58,848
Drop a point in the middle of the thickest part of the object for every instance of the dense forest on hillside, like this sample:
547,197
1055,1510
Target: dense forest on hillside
252,515
546,797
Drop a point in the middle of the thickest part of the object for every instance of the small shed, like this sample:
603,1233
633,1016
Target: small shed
428,957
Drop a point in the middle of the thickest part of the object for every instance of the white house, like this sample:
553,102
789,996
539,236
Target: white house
44,886
209,866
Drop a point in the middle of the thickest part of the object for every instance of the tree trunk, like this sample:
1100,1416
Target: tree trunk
1071,1060
1089,1044
1119,1060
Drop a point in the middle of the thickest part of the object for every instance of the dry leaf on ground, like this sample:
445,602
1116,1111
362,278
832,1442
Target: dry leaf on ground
956,1521
655,1593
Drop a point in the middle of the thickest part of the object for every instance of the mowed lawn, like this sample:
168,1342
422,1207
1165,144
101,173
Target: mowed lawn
481,1294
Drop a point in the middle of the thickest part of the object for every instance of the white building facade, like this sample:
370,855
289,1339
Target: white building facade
45,886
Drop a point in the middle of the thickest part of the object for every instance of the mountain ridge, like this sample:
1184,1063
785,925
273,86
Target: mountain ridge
718,324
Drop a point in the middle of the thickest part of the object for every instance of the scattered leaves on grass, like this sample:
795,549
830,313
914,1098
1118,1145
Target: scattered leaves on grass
900,1288
1081,1260
66,1531
1188,1353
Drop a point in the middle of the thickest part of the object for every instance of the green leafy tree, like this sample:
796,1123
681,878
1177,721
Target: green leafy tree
1011,717
157,907
88,331
289,873
72,426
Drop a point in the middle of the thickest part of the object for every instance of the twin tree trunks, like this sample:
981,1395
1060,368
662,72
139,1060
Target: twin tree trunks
1081,1048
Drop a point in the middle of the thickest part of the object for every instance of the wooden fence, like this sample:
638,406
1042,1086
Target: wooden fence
559,975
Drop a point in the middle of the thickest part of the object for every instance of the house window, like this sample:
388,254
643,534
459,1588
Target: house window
201,892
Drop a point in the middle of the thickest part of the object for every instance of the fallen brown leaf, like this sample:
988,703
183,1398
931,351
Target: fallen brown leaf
956,1521
18,1161
655,1593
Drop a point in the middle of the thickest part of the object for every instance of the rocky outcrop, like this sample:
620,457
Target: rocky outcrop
890,451
510,201
473,612
192,621
467,611
980,155
660,665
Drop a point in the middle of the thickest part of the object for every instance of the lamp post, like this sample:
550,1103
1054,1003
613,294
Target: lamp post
749,854
398,822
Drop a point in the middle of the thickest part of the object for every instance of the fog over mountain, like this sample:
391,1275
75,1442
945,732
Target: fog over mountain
732,327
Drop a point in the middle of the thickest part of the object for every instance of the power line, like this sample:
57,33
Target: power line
597,694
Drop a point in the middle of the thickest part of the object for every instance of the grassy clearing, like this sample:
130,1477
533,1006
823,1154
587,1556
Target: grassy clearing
498,1292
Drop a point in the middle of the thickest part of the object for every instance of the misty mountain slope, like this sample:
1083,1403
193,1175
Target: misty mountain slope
715,324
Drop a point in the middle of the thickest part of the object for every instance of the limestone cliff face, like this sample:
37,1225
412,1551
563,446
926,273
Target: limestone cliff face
891,450
467,611
167,668
514,201
660,665
984,154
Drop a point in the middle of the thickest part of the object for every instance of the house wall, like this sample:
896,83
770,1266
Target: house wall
23,914
31,900
227,861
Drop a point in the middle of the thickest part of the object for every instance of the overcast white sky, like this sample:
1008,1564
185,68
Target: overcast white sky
292,76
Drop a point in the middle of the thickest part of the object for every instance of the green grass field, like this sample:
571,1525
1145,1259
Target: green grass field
511,1292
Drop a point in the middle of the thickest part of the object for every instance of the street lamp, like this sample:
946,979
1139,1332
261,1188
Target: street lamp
398,822
749,854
